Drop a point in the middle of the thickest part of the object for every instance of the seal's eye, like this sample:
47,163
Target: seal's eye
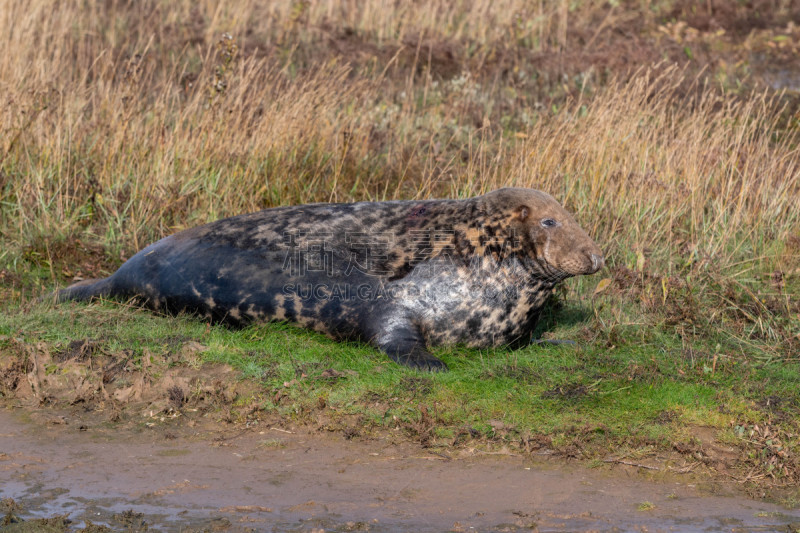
548,223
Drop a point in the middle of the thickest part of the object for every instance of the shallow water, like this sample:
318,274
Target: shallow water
270,480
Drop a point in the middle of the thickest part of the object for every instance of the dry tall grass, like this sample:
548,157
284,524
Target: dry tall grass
123,122
656,170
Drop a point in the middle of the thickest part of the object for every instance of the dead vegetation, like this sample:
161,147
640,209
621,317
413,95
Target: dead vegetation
122,385
141,119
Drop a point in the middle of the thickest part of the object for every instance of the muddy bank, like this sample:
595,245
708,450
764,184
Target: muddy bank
96,439
269,479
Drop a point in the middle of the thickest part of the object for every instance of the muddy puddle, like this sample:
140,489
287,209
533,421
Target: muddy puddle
273,480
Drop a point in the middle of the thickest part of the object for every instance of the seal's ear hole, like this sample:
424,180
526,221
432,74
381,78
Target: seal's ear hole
523,212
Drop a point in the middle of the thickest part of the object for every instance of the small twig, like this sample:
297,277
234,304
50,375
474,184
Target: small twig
615,390
232,437
443,456
629,463
435,457
686,469
507,454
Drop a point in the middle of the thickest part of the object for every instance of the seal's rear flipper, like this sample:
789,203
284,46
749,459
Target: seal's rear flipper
84,290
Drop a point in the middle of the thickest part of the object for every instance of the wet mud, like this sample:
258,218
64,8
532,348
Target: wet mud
270,479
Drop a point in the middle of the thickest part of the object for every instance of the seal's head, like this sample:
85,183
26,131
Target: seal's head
546,232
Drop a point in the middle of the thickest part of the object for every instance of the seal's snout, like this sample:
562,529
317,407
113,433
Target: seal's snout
597,262
585,261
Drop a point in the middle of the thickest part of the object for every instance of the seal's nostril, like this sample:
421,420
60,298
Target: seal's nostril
597,262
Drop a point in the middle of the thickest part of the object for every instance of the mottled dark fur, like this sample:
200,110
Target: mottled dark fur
400,275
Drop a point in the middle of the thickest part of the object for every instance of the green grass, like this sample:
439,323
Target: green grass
644,391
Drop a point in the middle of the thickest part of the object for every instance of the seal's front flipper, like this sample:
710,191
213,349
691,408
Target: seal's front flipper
417,357
402,341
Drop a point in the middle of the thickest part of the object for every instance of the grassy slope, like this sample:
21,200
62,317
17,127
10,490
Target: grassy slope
126,124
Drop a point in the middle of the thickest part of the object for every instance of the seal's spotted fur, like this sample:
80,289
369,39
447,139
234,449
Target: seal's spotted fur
400,275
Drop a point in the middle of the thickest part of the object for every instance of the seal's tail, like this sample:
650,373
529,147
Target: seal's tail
84,290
